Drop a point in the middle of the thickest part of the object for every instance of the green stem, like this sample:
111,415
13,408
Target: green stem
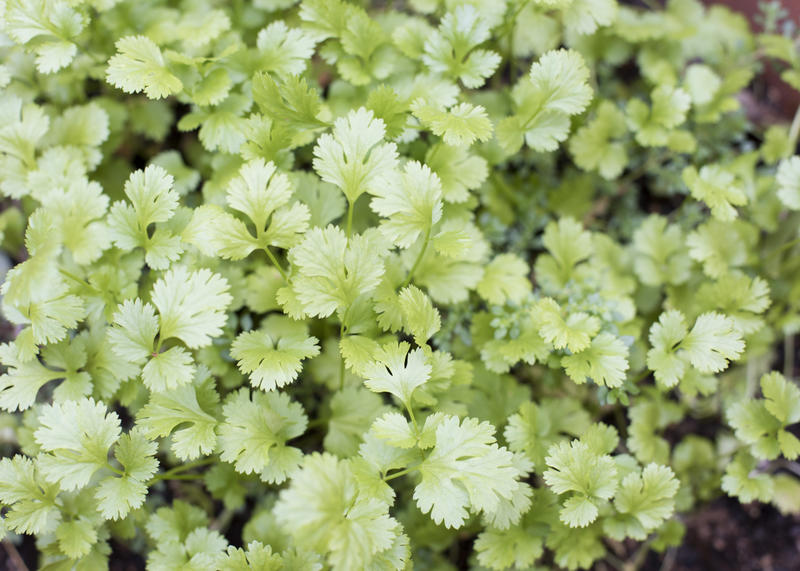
275,263
175,473
190,465
115,470
794,132
342,333
81,281
317,422
419,258
350,208
413,420
783,248
160,477
402,472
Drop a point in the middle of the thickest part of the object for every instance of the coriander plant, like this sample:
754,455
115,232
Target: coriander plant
434,284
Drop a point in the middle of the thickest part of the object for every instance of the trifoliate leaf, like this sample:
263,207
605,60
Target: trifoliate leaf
273,360
568,244
139,66
561,77
411,205
324,510
782,398
465,469
717,188
258,193
77,537
575,332
555,89
255,430
664,359
516,547
451,49
575,467
20,384
334,271
505,279
741,480
136,328
712,342
46,29
586,16
720,246
191,305
256,556
153,200
397,371
654,125
604,361
290,102
283,50
354,157
30,499
458,126
762,423
649,497
75,437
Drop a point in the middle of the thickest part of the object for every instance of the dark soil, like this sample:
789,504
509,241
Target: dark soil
726,535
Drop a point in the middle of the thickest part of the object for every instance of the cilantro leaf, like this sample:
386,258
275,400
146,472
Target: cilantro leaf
324,510
273,355
354,157
397,371
139,66
575,467
465,469
255,430
191,305
412,207
604,361
451,49
75,437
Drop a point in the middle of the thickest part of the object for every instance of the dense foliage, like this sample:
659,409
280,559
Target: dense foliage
437,283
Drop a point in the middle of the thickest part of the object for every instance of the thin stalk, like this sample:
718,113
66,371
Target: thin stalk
350,208
342,333
275,263
419,258
788,356
413,420
175,473
115,470
160,477
794,132
402,472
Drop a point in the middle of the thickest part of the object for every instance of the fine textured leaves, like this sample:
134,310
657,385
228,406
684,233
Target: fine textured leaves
255,430
465,469
140,66
354,157
76,437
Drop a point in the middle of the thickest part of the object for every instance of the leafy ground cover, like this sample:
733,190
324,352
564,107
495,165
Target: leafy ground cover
429,284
